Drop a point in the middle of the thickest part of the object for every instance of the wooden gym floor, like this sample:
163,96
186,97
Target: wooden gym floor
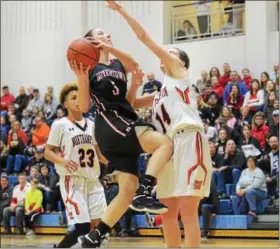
38,241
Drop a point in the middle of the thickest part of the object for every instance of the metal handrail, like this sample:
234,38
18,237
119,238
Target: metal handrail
229,29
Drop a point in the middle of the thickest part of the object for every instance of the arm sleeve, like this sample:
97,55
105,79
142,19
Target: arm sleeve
27,202
247,96
38,200
55,134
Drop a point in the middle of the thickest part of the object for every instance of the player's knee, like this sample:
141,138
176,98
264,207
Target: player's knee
170,216
167,143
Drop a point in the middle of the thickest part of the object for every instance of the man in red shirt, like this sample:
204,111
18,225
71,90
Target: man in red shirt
225,78
6,99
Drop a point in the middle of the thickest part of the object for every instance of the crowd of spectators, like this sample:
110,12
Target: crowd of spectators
240,114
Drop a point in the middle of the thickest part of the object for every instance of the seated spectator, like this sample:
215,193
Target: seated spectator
36,101
270,166
188,31
6,98
42,116
148,115
16,206
152,85
3,155
223,137
40,133
259,128
234,80
33,206
244,119
59,114
48,181
227,115
50,91
251,186
16,156
269,107
270,87
215,108
12,119
233,162
217,87
204,110
13,111
273,75
201,83
30,93
49,108
4,128
214,71
34,173
225,78
21,101
254,99
274,128
247,78
6,192
26,121
16,127
206,94
210,131
38,159
217,175
208,208
264,79
249,145
235,100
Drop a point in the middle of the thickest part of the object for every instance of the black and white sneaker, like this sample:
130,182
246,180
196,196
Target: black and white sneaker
146,203
86,242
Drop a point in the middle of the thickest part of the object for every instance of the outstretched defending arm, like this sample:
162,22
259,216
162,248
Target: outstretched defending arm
169,60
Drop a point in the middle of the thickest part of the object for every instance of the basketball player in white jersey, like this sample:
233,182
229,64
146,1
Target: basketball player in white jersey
72,147
183,184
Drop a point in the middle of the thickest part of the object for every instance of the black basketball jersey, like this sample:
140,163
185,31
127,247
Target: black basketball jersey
108,87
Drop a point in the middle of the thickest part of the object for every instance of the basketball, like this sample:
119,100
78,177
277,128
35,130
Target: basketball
82,50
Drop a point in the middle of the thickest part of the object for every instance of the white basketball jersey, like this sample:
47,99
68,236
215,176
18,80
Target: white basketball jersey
76,143
175,107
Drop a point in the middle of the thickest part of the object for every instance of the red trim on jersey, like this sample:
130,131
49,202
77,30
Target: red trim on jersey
199,158
68,199
184,95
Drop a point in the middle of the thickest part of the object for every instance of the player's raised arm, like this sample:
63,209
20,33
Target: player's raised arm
127,61
83,82
171,62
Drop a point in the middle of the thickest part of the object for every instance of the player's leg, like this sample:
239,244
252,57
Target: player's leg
94,223
189,217
161,148
72,192
171,229
127,188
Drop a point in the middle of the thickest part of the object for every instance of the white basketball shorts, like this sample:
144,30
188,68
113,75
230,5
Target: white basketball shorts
84,199
189,172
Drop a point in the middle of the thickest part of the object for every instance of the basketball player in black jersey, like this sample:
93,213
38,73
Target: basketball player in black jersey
119,134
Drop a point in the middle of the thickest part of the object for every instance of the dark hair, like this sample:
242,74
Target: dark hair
254,159
266,74
5,87
89,33
259,84
184,57
238,94
66,90
246,70
210,73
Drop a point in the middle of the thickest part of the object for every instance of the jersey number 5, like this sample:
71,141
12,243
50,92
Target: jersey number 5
165,119
86,158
